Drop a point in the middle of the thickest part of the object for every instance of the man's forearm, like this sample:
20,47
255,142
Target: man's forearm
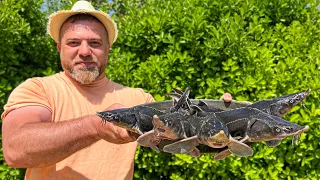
45,143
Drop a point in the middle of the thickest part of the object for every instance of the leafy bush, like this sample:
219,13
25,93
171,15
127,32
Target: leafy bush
252,49
26,51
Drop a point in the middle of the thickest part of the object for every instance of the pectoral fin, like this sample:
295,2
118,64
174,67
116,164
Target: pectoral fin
183,146
149,139
239,148
194,153
222,155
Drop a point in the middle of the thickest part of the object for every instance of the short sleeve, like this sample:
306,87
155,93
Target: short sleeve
28,93
147,96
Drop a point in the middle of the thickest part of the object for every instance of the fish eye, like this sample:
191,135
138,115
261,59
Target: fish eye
278,130
291,101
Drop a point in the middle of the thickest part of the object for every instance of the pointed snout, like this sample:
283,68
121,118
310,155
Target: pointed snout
107,116
100,114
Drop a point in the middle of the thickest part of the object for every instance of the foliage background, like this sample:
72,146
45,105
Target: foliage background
250,48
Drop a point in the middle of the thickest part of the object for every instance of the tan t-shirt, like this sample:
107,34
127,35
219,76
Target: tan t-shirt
66,100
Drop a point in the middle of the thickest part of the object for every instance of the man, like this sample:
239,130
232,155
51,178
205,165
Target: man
49,123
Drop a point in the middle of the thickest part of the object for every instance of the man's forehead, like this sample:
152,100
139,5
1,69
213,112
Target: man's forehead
83,24
96,27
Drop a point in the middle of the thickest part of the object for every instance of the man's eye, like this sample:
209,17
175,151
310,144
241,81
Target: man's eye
95,43
73,43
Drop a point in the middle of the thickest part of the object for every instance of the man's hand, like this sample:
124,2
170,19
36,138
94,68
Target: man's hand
226,97
111,132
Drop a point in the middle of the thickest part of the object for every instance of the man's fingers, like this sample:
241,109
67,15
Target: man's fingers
124,134
226,97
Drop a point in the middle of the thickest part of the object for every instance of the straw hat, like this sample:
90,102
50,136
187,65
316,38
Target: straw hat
57,19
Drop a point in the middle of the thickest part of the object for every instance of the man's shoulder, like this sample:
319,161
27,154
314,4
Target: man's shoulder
125,89
37,84
132,92
49,78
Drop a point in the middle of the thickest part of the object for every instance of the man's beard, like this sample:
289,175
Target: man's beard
85,75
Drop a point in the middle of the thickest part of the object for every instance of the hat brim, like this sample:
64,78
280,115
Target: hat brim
57,19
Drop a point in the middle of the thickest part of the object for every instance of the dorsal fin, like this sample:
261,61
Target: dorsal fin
177,91
197,110
187,100
202,103
173,95
196,107
182,101
175,101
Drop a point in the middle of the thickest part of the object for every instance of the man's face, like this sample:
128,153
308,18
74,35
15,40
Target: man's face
84,50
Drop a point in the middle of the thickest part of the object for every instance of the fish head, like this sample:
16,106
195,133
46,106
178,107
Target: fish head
120,117
274,128
165,128
283,104
214,133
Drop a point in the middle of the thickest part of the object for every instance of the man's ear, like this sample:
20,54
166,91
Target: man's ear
59,47
108,48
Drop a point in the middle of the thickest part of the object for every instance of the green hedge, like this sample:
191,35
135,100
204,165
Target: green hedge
253,49
26,51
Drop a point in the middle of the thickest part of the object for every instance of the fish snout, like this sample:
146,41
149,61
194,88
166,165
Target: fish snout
292,130
307,91
108,116
300,97
289,130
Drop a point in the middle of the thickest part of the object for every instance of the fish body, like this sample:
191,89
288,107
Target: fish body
280,106
192,130
201,124
254,125
180,126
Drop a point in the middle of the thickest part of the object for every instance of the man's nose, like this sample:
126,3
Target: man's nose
84,49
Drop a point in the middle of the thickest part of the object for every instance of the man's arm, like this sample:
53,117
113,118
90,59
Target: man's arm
30,139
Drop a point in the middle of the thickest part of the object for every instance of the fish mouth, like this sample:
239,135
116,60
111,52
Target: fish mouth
306,128
128,127
219,140
161,130
165,133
